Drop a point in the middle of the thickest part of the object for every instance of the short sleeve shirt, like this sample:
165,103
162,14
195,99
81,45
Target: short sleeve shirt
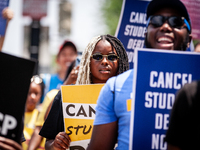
112,106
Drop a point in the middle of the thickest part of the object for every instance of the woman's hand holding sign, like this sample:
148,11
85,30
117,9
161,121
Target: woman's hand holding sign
61,142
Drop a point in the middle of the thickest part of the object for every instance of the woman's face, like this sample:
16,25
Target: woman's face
34,95
102,70
66,57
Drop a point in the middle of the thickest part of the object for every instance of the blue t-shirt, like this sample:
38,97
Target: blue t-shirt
51,81
55,82
109,109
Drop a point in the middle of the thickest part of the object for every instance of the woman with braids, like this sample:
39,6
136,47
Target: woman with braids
104,57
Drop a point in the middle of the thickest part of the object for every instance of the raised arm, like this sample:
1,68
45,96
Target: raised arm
8,14
35,139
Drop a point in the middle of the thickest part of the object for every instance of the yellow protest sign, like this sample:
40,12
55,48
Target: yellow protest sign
79,102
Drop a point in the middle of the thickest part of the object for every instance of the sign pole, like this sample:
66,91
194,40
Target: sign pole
35,41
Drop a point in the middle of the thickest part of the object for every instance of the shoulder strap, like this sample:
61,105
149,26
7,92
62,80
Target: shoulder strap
114,88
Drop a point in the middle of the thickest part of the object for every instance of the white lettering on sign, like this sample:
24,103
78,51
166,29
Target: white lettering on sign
161,121
135,43
159,100
169,80
135,31
8,123
136,17
158,142
79,111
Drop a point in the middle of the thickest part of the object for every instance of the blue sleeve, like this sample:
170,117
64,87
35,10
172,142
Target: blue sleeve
105,105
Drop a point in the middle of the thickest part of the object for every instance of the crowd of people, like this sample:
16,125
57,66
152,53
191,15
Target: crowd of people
165,30
105,60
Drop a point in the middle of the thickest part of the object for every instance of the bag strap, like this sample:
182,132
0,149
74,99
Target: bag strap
114,89
114,105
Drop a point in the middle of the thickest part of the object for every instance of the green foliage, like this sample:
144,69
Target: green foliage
111,10
195,41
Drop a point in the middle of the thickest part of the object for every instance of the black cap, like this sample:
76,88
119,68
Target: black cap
156,5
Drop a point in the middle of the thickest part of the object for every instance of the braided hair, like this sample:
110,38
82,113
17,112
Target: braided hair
84,69
121,52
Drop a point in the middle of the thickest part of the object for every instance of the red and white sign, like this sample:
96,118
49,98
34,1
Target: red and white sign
36,9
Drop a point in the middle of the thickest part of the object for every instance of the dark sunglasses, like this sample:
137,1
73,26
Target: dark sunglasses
173,21
110,57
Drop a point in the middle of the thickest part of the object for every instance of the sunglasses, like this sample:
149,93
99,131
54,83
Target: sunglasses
173,21
110,57
36,79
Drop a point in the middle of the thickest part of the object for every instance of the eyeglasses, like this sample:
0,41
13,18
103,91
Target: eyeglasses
36,79
173,21
110,57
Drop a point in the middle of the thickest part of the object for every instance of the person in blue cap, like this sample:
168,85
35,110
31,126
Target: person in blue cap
169,28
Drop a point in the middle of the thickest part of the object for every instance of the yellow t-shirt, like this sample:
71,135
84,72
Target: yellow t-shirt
32,119
29,126
47,100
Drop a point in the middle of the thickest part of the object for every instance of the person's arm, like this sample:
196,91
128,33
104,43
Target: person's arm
71,79
8,14
35,139
105,129
61,142
8,144
103,137
53,127
48,110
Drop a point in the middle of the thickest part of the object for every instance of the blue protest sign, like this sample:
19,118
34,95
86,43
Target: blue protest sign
3,4
132,26
157,77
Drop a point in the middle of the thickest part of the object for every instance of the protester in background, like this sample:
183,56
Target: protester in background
37,140
66,55
5,143
184,132
8,14
103,58
166,29
197,47
71,78
31,113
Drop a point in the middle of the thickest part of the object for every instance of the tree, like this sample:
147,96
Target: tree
111,10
